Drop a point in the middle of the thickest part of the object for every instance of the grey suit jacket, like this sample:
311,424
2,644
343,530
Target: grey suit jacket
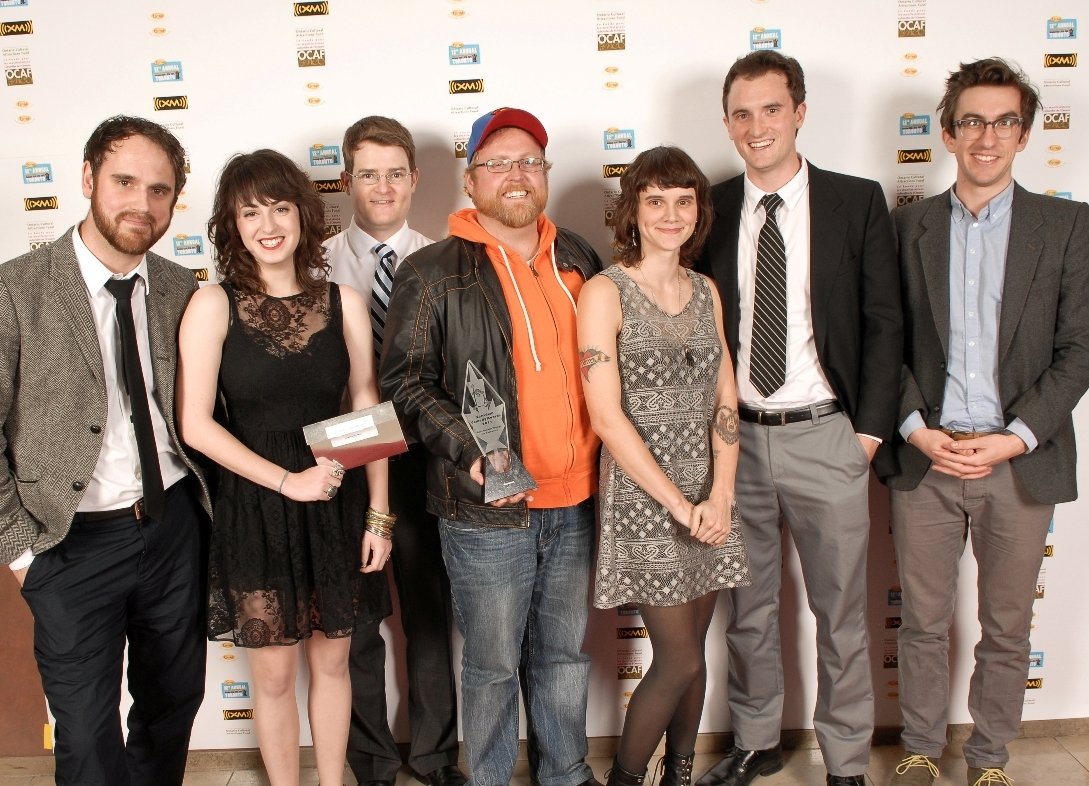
52,387
1043,359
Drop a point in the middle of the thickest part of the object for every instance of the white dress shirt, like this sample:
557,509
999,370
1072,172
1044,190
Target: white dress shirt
805,381
352,259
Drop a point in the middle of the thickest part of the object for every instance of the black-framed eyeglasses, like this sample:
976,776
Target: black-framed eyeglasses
394,177
530,164
973,127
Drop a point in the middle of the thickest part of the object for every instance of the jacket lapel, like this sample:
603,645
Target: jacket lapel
71,293
1022,257
827,233
724,259
933,257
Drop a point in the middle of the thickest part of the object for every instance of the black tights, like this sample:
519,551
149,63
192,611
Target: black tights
669,699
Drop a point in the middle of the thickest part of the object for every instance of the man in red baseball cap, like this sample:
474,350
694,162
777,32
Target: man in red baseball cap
499,295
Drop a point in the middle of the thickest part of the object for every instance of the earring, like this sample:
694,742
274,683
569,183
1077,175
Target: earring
634,240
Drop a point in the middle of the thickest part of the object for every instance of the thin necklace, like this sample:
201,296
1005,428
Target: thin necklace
650,292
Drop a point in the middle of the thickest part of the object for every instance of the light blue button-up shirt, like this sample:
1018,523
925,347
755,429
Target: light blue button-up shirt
977,269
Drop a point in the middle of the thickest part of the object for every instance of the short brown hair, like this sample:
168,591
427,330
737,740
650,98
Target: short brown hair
990,72
663,167
119,128
382,131
756,64
266,176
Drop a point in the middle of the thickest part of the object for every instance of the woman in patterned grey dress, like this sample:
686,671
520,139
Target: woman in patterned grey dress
660,391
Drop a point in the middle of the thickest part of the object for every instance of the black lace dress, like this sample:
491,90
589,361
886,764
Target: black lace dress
279,569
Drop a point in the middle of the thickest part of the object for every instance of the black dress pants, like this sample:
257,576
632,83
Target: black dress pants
108,582
423,591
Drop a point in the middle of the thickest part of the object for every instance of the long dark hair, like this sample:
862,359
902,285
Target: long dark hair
265,176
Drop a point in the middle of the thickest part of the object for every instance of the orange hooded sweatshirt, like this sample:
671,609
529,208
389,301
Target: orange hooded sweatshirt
559,448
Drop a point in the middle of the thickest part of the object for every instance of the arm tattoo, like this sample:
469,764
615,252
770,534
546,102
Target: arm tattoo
590,357
726,424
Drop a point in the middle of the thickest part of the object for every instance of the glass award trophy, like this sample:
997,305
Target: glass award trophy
485,413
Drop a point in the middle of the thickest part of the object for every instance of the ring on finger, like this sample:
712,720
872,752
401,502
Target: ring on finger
331,492
337,472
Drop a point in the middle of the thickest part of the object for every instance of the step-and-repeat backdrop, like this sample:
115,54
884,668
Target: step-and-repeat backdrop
608,78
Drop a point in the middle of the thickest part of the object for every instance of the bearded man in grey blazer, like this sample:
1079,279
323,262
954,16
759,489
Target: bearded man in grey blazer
100,508
996,323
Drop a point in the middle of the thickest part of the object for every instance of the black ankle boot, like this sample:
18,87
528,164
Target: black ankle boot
618,776
676,769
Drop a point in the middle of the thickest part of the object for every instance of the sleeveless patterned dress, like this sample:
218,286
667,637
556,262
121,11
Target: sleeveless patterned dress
668,368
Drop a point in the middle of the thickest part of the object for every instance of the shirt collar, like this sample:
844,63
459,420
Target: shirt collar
362,243
992,211
95,274
791,193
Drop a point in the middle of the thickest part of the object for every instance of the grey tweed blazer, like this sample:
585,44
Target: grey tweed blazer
1043,332
52,387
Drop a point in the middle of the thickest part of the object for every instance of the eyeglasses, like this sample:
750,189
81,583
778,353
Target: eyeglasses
973,127
394,177
531,164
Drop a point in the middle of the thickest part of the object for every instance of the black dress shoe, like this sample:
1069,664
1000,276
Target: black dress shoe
740,767
447,775
846,780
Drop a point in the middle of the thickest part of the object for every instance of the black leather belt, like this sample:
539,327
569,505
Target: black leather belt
780,417
135,510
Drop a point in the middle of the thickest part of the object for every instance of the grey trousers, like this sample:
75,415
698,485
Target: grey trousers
815,476
1008,529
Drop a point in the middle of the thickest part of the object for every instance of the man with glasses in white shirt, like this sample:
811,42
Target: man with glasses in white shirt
380,176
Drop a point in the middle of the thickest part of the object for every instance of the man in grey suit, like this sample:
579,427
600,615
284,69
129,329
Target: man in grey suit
100,508
805,262
994,282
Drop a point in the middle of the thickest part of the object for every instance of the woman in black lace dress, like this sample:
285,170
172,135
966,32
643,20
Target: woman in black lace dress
279,345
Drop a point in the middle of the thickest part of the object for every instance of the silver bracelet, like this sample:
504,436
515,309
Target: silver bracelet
280,488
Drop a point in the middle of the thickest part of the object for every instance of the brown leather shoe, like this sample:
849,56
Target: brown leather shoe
915,770
988,776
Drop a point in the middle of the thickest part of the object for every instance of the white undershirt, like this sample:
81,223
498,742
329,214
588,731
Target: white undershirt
805,381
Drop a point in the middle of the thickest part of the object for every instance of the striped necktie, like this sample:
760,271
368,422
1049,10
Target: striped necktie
381,290
767,360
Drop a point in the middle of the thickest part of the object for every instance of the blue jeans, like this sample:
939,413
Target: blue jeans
520,597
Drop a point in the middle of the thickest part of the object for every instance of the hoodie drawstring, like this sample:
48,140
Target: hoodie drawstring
563,286
525,312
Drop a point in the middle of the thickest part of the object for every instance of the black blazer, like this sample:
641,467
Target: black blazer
854,289
1043,332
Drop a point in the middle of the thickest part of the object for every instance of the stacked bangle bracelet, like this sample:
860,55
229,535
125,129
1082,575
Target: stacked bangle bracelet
380,524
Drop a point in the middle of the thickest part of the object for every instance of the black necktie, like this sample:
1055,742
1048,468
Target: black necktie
380,291
767,357
151,475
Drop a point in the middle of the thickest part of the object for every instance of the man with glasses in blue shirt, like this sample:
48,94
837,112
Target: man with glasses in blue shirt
996,324
380,176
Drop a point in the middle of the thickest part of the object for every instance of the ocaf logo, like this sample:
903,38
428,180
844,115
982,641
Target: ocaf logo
920,156
309,58
1054,121
230,715
629,672
311,9
163,103
614,170
23,75
17,28
328,186
1069,60
911,28
40,203
611,42
459,86
901,200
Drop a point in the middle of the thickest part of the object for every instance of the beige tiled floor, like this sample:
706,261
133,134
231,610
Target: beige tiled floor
1043,761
